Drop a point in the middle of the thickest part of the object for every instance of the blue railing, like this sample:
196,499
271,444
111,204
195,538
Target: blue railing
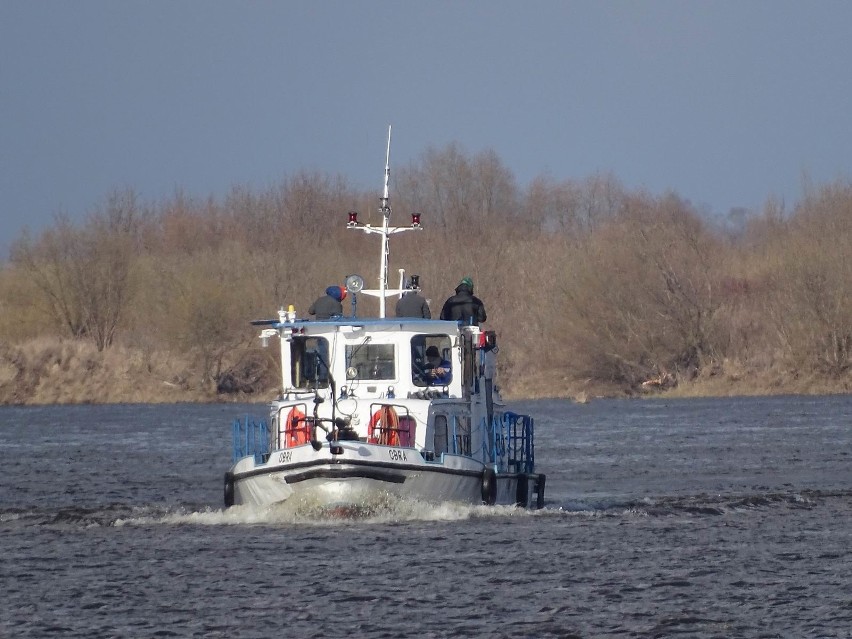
513,442
250,437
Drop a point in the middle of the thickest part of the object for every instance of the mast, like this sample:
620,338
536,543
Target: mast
385,210
386,230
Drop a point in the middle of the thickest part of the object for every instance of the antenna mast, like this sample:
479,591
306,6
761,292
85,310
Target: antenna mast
386,231
385,210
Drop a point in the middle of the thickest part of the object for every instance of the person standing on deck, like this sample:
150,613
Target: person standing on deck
329,305
412,304
464,306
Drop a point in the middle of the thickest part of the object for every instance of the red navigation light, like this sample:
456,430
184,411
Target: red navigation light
353,218
415,220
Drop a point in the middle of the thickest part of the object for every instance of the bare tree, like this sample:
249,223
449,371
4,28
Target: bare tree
641,296
812,306
84,273
48,261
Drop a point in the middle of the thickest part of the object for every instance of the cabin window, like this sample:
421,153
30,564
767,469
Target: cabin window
309,362
370,361
425,372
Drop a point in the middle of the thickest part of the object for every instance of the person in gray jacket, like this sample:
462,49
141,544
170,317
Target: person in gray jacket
329,305
412,304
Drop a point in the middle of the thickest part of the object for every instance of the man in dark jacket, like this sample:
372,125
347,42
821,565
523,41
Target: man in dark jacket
464,307
412,304
329,304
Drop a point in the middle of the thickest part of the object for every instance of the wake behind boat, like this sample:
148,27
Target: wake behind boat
362,417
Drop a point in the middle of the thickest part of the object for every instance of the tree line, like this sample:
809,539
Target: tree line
584,280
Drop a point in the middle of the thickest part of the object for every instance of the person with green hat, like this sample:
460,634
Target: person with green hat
464,306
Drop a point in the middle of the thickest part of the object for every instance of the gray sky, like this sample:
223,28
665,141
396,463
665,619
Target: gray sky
724,102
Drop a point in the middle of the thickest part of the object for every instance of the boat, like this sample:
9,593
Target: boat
359,422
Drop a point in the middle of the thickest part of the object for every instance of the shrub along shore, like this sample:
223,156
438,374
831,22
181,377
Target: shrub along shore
54,371
593,289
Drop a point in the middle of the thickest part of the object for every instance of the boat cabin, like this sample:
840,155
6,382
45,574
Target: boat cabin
372,358
378,377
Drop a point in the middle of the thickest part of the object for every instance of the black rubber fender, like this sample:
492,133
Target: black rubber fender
489,487
522,493
229,490
539,491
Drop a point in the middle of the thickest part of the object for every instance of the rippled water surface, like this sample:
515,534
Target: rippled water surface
686,518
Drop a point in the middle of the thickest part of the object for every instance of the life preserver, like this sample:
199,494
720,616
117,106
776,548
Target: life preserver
384,427
296,429
489,487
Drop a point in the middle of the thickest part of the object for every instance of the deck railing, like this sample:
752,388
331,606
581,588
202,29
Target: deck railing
513,443
250,437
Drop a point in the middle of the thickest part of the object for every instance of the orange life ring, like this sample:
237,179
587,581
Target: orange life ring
384,427
296,429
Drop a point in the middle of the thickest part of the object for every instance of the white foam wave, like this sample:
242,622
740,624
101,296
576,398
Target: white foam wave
287,513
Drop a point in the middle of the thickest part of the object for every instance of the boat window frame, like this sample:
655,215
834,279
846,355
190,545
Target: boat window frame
309,351
418,345
373,361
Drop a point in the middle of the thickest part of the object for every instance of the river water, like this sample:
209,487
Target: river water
664,518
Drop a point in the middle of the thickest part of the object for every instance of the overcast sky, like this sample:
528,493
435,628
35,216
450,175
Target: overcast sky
724,102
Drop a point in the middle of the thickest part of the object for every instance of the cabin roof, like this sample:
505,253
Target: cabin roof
410,323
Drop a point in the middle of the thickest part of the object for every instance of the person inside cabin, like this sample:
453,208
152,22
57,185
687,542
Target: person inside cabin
412,304
438,370
329,305
464,306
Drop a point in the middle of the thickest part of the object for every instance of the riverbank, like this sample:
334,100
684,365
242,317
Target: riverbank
730,379
54,371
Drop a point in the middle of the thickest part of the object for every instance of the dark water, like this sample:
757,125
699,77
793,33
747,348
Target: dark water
687,518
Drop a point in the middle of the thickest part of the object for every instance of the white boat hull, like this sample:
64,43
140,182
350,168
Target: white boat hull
359,474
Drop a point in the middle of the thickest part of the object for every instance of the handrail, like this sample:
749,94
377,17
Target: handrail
250,437
508,443
287,430
461,439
